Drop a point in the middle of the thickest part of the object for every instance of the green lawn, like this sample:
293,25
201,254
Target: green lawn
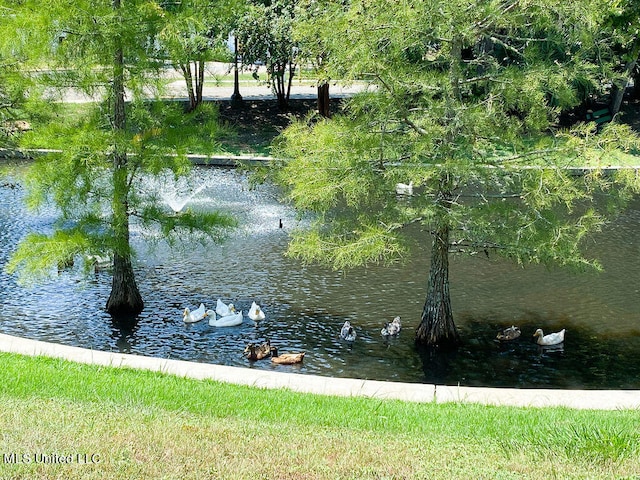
202,132
141,425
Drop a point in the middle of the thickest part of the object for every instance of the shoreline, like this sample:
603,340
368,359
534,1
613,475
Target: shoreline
318,385
224,160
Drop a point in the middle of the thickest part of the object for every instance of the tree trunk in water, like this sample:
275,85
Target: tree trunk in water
324,100
125,297
437,328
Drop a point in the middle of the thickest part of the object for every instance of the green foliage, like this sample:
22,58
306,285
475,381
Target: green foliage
366,243
264,34
96,179
312,19
164,126
197,29
13,86
464,103
78,181
194,32
38,255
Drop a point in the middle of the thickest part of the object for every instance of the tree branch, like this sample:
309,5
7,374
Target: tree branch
532,153
486,21
417,128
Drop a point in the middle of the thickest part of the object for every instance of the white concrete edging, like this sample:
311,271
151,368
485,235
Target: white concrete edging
412,392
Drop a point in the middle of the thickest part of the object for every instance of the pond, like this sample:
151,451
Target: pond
305,306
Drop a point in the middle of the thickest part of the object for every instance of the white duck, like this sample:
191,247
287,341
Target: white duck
191,317
224,310
391,328
347,332
550,339
255,312
232,320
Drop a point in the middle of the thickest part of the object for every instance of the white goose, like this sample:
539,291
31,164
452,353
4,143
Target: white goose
191,317
232,320
255,312
224,310
550,339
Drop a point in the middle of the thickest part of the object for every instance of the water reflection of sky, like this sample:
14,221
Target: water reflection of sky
306,305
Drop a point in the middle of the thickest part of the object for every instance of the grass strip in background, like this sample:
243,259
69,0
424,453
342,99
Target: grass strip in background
121,423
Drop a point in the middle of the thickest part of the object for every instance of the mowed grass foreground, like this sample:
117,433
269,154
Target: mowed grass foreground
120,423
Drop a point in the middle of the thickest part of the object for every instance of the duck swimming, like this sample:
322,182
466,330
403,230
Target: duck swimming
550,339
509,334
224,310
227,321
347,332
286,358
391,328
258,352
192,317
255,312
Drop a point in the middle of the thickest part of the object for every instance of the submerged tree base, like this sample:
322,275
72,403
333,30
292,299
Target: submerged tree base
437,328
125,304
125,298
440,344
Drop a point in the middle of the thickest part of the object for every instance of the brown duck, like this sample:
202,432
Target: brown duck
286,358
258,352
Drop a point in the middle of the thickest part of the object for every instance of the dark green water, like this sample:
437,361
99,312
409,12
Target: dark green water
306,306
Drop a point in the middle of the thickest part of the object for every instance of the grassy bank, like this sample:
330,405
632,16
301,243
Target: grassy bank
117,423
216,128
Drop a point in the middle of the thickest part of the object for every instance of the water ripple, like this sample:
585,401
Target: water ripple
306,305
